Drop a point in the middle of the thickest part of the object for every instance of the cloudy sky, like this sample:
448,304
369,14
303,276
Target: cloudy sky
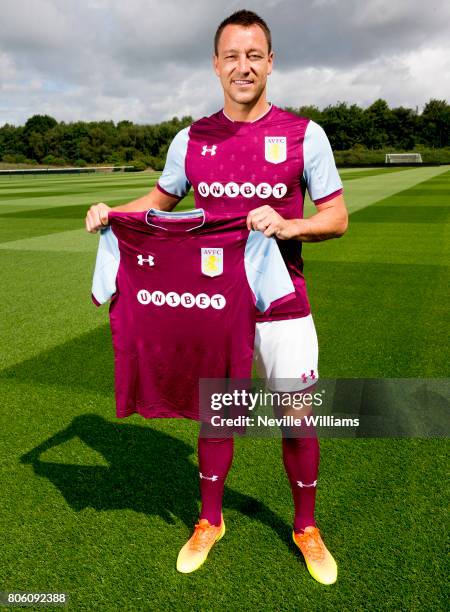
148,60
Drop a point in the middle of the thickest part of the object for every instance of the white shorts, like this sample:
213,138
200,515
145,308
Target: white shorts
286,353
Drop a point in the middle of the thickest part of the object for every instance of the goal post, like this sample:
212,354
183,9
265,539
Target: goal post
403,158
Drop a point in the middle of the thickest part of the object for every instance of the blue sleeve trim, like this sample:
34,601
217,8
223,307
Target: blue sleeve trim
106,267
266,271
173,180
320,172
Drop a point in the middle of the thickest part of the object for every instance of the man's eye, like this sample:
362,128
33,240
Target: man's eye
255,57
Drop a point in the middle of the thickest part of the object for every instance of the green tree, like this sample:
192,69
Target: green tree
36,146
435,123
378,124
40,123
404,132
343,125
350,129
11,140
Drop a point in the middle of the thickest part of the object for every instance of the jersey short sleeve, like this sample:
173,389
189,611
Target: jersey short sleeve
320,172
173,180
106,267
266,272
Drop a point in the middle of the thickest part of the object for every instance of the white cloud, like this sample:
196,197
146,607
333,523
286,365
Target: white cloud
7,69
408,79
38,25
146,61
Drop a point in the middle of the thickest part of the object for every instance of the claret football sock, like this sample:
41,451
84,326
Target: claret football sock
301,461
215,456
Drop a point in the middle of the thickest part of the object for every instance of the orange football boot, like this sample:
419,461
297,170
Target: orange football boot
195,551
319,561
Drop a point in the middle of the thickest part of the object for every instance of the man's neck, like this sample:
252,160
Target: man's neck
240,112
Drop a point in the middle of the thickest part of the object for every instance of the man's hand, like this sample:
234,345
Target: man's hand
330,221
97,217
267,220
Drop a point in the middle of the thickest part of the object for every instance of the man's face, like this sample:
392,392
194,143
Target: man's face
243,62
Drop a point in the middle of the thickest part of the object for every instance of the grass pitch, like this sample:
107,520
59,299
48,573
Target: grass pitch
99,507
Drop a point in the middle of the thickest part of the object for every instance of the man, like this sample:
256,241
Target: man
253,157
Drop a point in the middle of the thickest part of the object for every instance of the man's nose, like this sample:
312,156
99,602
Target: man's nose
243,65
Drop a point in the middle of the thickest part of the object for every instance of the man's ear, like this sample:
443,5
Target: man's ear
270,60
215,60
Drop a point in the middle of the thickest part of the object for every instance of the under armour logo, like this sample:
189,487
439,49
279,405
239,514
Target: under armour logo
311,376
211,150
213,478
302,484
150,260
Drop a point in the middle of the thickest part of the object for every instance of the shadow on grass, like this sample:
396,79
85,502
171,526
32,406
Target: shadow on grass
149,472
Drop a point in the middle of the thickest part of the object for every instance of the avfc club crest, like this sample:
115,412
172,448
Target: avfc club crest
275,150
212,262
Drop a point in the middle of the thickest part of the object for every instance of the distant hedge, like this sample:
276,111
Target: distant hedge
361,156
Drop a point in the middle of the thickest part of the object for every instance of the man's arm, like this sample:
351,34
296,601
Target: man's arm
97,216
331,221
172,186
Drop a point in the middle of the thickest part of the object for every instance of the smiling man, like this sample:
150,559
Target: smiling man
253,157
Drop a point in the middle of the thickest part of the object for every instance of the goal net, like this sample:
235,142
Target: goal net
403,158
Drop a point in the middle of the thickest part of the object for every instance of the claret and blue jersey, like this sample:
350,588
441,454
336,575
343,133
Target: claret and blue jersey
236,166
183,289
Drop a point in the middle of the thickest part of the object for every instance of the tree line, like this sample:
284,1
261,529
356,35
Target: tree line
352,130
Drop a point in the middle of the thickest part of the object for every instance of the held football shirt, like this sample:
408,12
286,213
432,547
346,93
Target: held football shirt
183,289
235,166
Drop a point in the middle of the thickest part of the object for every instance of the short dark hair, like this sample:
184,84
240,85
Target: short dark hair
246,19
